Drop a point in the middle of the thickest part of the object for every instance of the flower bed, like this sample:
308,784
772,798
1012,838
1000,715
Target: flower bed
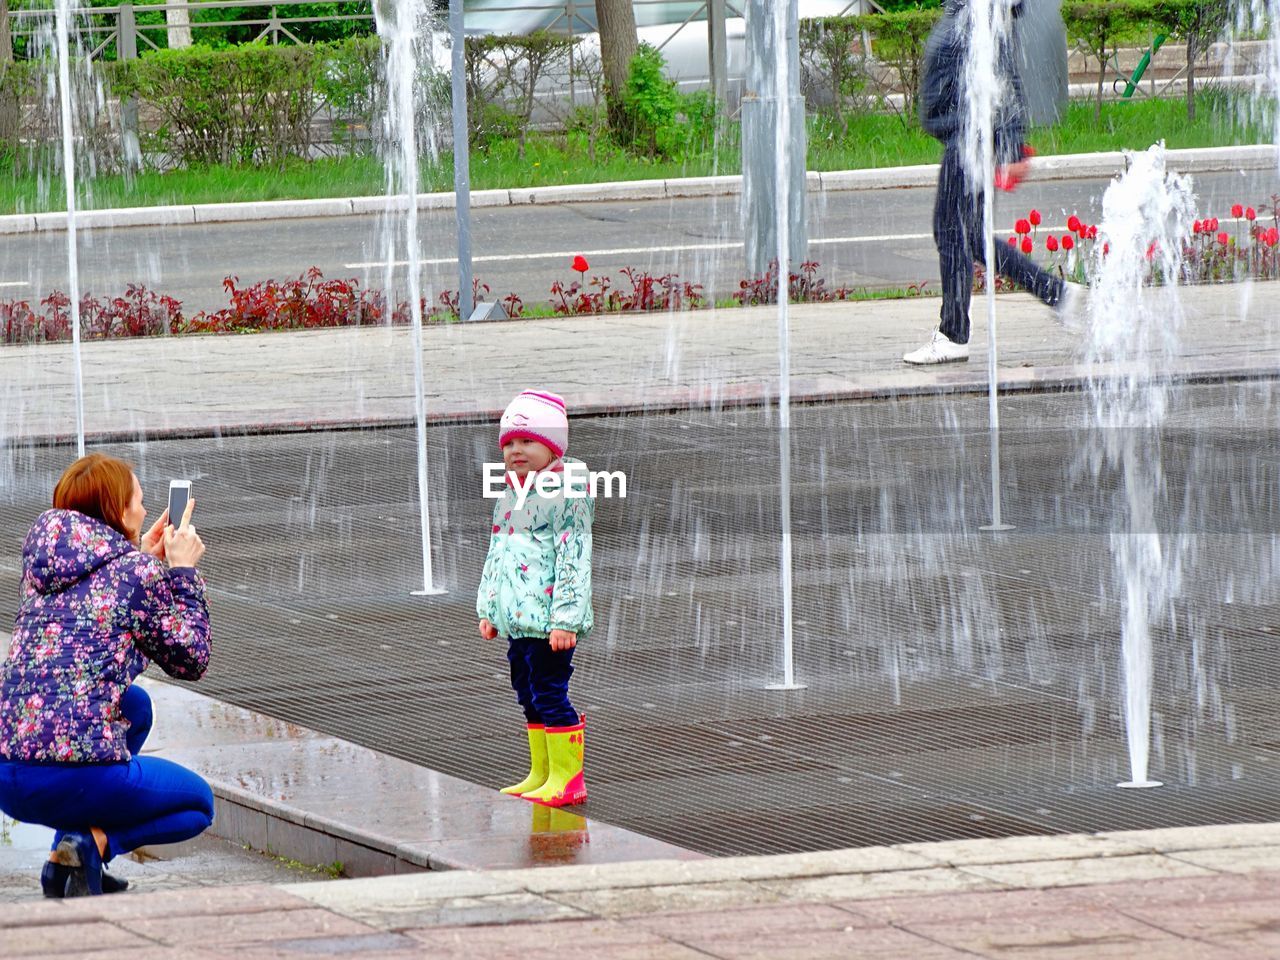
1248,248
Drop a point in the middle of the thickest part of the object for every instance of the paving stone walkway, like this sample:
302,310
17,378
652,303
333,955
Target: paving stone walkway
1192,893
600,364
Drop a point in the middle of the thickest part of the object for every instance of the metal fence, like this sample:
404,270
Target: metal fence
114,31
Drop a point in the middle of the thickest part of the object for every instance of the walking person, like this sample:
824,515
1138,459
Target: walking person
100,601
958,209
535,591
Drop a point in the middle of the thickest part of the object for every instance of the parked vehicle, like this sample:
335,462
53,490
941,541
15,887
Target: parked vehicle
678,29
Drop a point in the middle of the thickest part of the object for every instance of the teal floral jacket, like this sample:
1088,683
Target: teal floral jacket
537,575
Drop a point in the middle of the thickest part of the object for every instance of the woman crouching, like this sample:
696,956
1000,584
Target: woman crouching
98,605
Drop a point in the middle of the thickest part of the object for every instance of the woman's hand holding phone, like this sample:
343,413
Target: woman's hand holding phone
153,539
182,546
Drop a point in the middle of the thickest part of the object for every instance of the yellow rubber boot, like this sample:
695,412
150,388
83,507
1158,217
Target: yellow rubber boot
565,785
537,762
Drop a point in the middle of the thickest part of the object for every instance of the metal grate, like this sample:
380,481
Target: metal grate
959,685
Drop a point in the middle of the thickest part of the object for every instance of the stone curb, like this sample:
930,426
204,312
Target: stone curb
658,886
1064,167
1011,381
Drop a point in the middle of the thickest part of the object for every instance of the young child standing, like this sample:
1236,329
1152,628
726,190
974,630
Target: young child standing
535,592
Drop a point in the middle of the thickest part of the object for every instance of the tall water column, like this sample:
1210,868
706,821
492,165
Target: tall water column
760,112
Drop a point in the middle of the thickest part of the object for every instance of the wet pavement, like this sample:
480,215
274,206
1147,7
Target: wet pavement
959,684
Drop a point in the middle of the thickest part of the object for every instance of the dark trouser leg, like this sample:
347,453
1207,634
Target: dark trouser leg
1024,271
1011,263
952,217
550,675
519,651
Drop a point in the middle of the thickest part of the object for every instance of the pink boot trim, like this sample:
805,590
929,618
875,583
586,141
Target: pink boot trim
574,792
580,725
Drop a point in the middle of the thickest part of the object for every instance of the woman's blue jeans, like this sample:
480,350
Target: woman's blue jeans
138,802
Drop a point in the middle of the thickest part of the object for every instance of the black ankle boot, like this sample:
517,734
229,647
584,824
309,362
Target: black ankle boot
53,880
112,884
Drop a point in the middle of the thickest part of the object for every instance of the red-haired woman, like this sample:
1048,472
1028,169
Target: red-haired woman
100,600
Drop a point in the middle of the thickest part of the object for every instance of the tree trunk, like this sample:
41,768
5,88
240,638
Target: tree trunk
9,111
178,20
6,39
1193,36
618,45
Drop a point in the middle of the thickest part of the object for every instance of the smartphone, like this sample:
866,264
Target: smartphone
179,494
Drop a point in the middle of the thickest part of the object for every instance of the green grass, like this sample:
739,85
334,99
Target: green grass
1222,119
866,141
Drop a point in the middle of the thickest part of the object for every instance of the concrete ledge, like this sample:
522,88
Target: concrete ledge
320,800
1064,167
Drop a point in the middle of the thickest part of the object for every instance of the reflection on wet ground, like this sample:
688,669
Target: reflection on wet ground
959,684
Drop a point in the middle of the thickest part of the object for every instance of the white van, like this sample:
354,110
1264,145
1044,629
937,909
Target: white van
678,29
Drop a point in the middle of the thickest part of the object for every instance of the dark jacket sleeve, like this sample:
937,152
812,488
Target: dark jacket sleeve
940,79
942,82
171,619
1011,118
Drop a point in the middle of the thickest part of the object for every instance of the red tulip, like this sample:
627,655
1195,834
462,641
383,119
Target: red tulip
1250,213
1022,226
1106,248
1196,227
1051,243
1151,249
1013,241
1068,241
580,264
1034,217
1237,211
1092,232
1073,223
1223,238
1027,245
1273,237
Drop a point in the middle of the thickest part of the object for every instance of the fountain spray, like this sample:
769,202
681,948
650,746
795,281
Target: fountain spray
63,26
987,23
1132,338
781,21
400,23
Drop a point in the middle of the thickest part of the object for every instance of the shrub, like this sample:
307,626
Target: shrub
1097,25
833,74
660,121
803,286
899,41
505,78
352,83
252,104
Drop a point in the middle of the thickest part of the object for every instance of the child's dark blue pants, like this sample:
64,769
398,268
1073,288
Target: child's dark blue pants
540,678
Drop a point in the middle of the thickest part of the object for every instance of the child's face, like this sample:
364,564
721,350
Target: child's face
522,455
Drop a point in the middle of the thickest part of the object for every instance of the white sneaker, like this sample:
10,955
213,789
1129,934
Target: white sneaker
1071,306
938,350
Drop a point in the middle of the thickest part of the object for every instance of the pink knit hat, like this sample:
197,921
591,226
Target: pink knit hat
536,415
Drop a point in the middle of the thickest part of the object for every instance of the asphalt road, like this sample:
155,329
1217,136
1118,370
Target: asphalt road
861,238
